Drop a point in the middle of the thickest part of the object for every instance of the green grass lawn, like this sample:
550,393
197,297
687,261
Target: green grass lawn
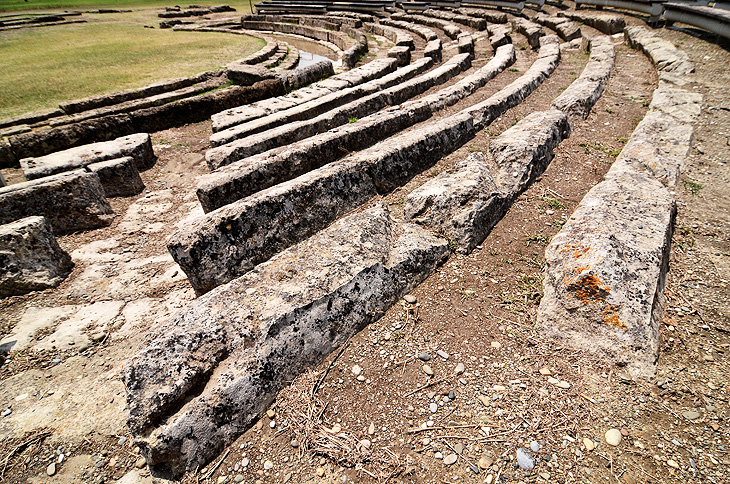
42,67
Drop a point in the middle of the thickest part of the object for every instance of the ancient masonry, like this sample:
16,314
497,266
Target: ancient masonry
295,252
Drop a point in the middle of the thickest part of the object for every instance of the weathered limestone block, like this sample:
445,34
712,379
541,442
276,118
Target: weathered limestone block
466,44
499,35
246,75
119,177
465,203
580,97
30,258
606,23
223,244
605,271
137,146
307,75
523,152
489,15
423,32
663,54
241,114
451,30
531,30
70,202
245,340
511,95
566,29
476,23
433,50
401,53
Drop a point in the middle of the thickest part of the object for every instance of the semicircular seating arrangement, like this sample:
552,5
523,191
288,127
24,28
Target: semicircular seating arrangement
293,248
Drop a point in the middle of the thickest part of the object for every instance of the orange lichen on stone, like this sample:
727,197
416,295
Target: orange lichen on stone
588,288
611,317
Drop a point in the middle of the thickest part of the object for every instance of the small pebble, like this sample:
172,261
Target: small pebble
497,345
589,444
141,462
545,371
450,459
438,455
485,462
320,471
535,446
295,443
452,395
410,299
270,413
691,415
613,437
245,462
371,429
238,478
365,443
356,370
460,368
525,460
272,424
443,354
433,407
222,479
564,385
424,357
51,469
268,465
427,370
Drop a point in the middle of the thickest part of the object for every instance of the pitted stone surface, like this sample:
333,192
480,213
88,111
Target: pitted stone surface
606,23
30,258
566,29
225,243
70,202
663,54
605,271
245,339
531,30
137,146
578,99
119,177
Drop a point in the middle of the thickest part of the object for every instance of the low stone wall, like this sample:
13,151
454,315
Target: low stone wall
530,30
222,245
489,15
466,202
578,99
70,202
606,23
565,28
476,23
334,284
423,32
137,146
178,113
663,54
451,30
30,258
345,80
605,270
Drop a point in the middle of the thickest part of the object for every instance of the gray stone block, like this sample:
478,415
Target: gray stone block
137,146
247,75
119,177
401,53
30,258
70,202
223,244
530,30
605,272
606,23
205,376
663,54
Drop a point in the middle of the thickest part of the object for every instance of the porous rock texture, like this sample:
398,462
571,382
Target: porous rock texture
227,242
564,27
606,23
465,203
605,271
70,202
119,177
578,99
30,258
137,146
663,54
208,373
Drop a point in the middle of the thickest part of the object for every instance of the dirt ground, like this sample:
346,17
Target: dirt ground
370,412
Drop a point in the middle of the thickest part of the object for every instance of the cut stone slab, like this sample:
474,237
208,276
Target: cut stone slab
663,54
74,332
580,97
605,271
606,23
531,30
465,203
247,75
229,241
138,146
119,177
30,258
70,202
565,28
207,375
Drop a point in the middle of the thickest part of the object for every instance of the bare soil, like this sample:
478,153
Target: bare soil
479,310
